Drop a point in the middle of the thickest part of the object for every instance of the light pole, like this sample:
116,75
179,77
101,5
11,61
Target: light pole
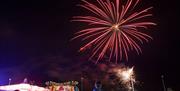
82,83
9,81
132,83
162,78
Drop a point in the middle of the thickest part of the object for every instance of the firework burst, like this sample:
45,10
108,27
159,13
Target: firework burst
126,76
114,28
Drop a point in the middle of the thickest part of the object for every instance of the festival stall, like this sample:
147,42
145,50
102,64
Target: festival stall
66,86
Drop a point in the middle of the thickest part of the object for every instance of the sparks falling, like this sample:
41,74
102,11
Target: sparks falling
126,76
114,28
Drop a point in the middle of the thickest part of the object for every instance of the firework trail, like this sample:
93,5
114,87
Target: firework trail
114,28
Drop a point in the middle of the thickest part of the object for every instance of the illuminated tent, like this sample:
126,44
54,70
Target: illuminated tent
22,87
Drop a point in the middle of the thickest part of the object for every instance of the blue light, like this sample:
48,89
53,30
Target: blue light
4,80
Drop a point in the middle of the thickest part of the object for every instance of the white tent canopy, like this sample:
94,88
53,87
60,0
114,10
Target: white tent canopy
22,87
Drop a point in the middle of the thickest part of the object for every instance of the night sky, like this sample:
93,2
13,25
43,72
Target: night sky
35,43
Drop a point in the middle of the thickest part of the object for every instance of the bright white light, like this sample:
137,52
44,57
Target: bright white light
127,74
22,87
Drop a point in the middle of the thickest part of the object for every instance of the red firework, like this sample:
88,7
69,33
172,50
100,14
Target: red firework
114,28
